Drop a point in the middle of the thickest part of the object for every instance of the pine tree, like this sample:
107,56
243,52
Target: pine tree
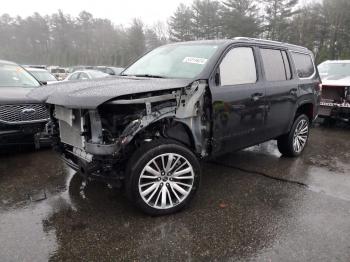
337,15
181,24
309,29
152,39
136,41
206,19
240,18
278,14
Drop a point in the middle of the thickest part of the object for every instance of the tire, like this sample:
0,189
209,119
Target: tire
294,143
151,188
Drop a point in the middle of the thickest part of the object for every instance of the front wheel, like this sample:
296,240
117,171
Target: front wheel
162,177
294,143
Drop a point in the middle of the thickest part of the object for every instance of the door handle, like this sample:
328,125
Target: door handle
255,97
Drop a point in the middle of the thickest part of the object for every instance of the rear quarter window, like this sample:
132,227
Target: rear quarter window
303,64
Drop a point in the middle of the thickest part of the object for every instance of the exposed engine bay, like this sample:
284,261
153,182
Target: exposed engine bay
98,141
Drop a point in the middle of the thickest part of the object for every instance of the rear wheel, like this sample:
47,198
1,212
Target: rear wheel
294,143
162,177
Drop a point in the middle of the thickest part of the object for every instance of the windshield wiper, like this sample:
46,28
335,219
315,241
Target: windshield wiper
149,75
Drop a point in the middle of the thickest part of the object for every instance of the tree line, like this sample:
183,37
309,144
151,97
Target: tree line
60,39
323,26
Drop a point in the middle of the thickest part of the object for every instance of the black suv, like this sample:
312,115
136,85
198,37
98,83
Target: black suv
147,129
22,119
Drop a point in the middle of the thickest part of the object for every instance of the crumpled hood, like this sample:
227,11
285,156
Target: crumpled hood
92,93
16,95
335,80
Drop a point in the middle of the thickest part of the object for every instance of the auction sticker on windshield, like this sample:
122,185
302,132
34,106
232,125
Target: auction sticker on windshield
195,60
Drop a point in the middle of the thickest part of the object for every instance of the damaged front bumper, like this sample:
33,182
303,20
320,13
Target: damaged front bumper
80,140
337,111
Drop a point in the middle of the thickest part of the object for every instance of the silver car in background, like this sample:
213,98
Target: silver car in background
86,75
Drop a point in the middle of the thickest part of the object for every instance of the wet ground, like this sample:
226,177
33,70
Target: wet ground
252,205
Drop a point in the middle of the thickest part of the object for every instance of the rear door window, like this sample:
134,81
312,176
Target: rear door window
303,64
273,64
238,67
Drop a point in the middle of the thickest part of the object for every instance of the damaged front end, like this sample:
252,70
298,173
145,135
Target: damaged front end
98,142
335,103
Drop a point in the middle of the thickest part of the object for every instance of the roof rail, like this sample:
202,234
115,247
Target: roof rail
269,42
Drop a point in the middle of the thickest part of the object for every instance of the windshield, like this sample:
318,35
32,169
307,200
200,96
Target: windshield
334,69
43,76
173,61
14,75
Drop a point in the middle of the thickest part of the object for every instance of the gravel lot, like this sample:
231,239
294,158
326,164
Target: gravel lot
252,205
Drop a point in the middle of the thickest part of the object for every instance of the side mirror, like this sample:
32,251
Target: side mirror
43,83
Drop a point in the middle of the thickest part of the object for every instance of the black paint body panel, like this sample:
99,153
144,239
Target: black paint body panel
240,122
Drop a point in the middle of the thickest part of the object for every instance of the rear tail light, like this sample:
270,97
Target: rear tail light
318,87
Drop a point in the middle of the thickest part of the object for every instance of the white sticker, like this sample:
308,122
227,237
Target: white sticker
195,60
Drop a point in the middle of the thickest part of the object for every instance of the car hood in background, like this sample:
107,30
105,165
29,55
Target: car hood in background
335,80
90,94
16,95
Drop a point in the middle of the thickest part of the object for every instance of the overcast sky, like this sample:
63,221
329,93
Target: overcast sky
119,11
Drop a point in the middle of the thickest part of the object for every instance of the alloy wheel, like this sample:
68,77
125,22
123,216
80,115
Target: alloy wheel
300,136
166,181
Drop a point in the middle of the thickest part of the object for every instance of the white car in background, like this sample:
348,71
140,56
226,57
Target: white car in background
86,75
335,100
42,75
